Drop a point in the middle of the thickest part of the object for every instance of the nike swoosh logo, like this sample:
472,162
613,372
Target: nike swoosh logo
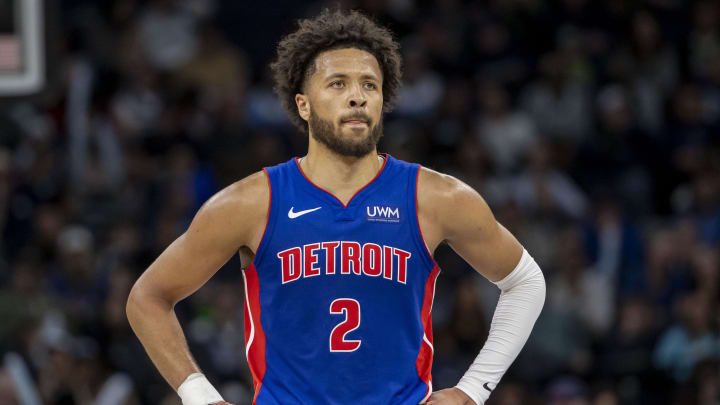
486,387
293,215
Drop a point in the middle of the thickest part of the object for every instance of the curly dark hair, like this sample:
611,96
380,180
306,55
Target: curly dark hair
331,30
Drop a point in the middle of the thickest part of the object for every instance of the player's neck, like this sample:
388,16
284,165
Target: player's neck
340,175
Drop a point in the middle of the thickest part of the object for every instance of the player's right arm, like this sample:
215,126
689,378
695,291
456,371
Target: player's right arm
233,218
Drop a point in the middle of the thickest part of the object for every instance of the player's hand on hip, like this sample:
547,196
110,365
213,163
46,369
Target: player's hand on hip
450,396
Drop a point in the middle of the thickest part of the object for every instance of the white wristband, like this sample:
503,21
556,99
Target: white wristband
197,390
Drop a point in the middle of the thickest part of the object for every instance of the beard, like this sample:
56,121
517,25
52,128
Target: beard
324,132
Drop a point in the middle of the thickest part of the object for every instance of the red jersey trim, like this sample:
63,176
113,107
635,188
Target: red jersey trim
417,218
356,193
267,217
254,333
425,356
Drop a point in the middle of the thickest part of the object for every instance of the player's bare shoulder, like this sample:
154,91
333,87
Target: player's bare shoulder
440,194
434,185
240,209
446,204
249,193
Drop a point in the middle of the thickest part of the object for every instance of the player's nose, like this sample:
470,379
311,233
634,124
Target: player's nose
357,102
356,97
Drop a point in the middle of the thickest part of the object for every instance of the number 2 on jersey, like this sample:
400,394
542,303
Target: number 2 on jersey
351,309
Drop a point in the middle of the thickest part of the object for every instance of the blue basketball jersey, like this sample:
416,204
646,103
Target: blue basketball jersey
338,298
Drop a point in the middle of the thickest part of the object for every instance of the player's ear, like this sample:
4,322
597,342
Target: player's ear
303,106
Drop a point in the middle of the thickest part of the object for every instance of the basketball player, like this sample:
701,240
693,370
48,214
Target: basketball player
337,248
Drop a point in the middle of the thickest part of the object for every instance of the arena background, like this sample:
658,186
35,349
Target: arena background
591,128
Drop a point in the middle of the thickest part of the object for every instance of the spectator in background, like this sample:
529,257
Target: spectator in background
263,110
710,93
95,156
472,163
75,279
559,105
422,87
451,123
690,340
624,355
583,295
688,136
167,34
49,222
654,67
217,330
666,274
619,157
704,38
73,372
218,73
23,300
497,57
37,170
614,245
705,262
543,190
467,322
137,105
443,34
706,201
506,136
216,65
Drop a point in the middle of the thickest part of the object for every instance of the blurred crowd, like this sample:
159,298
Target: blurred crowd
590,127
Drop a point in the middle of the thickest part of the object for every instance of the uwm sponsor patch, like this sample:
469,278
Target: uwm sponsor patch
382,213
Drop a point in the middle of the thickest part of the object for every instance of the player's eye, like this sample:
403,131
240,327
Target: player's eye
370,86
337,84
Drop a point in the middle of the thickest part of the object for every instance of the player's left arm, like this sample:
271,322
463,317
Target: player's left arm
451,211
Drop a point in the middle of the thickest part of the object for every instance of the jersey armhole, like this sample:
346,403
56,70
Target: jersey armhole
418,236
269,220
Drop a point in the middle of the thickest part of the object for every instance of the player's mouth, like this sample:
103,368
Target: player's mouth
355,123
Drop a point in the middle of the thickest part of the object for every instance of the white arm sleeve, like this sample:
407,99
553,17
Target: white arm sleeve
521,300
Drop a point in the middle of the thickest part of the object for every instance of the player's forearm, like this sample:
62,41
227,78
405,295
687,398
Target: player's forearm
521,300
154,322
